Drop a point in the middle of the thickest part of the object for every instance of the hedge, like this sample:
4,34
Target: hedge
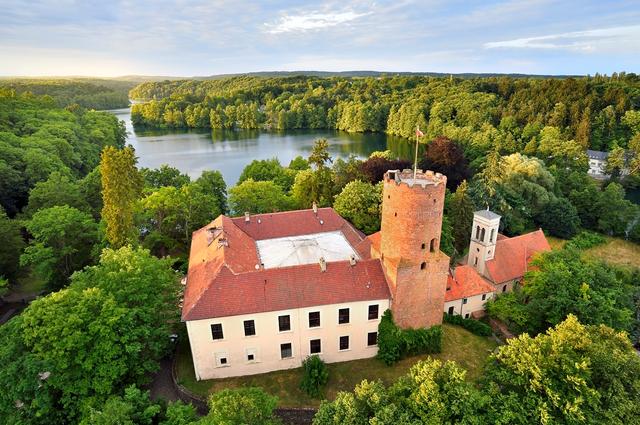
395,343
474,326
586,240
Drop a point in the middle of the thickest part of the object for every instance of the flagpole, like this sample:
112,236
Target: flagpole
415,159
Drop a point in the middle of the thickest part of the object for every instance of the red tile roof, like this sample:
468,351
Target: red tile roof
223,279
513,255
466,282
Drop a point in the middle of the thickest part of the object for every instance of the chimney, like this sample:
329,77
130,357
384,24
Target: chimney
247,217
352,260
223,242
315,207
323,264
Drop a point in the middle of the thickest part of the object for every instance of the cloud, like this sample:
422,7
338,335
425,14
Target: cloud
623,37
311,21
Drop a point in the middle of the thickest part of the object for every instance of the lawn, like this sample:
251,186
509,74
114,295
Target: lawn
617,251
469,350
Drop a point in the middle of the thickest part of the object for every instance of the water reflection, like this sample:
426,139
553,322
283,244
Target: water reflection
193,151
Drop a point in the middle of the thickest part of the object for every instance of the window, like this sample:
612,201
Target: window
424,245
432,246
451,310
314,319
284,323
477,232
493,231
344,343
221,359
315,346
475,261
285,351
252,354
464,301
484,297
373,312
216,331
343,316
423,266
249,328
372,338
482,234
466,316
504,288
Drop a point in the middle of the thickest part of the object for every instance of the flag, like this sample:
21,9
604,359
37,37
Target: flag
418,132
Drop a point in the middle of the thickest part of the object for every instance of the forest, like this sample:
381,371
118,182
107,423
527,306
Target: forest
478,113
85,92
109,240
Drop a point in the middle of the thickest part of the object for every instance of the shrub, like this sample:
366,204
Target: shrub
389,340
249,406
315,376
474,326
586,240
395,343
422,341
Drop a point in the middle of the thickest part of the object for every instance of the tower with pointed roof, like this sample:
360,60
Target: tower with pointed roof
410,232
484,234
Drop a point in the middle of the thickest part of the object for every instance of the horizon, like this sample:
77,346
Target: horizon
190,39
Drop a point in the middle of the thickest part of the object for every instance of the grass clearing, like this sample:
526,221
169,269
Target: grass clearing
556,243
618,252
460,345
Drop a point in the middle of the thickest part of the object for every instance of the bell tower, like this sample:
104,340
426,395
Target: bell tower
484,234
410,231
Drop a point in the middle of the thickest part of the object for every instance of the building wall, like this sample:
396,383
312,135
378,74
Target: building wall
473,304
266,342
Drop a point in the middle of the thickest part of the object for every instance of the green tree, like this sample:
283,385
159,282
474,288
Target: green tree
460,213
121,187
148,288
615,212
360,203
82,338
133,408
314,376
432,392
572,374
249,405
58,189
268,170
11,247
164,176
560,218
212,183
63,241
257,197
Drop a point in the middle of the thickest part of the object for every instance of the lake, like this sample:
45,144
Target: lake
228,151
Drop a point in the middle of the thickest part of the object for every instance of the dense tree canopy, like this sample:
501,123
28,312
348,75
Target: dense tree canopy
63,240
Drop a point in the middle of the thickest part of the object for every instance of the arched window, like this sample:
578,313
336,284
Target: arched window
477,232
482,235
423,265
432,246
493,231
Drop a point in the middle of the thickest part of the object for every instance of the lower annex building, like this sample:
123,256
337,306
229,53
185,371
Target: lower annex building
265,291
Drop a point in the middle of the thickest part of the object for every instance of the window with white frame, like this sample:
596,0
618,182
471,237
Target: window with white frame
222,359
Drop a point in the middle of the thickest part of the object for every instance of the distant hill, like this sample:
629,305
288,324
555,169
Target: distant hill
326,74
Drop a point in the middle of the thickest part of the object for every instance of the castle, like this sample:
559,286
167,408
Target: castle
265,291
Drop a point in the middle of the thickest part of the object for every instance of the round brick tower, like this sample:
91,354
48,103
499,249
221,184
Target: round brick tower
410,246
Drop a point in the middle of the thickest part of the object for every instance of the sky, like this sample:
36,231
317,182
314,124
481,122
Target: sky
199,38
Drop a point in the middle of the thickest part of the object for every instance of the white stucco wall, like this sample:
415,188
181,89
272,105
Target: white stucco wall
266,343
474,303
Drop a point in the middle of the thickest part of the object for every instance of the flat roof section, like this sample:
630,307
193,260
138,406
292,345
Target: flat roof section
304,249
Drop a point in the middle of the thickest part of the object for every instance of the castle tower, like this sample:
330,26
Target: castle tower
484,234
410,246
